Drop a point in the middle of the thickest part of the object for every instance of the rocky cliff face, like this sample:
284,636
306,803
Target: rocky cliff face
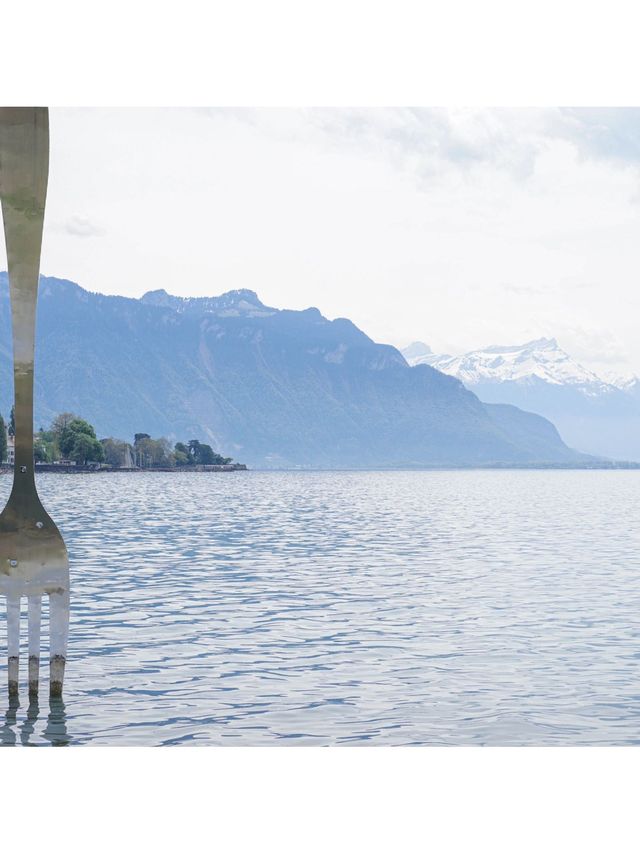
269,387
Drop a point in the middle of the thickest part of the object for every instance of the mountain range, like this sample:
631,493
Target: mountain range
597,414
270,387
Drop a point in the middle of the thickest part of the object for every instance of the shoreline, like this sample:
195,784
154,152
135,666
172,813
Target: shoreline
90,469
6,469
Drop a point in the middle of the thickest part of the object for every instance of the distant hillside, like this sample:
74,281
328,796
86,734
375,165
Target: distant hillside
597,415
269,387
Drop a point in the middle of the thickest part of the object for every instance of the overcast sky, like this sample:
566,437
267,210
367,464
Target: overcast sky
461,228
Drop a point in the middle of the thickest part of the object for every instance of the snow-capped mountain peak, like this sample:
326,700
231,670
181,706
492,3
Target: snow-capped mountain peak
628,382
539,360
539,345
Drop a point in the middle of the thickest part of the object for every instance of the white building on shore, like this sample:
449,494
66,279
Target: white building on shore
11,447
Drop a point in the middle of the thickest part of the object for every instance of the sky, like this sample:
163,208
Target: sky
458,227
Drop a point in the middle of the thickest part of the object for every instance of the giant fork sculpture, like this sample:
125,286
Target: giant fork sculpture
33,556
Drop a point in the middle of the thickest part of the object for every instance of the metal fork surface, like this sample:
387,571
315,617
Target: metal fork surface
33,556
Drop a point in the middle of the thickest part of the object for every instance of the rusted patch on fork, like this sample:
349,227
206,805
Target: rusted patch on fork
13,675
56,677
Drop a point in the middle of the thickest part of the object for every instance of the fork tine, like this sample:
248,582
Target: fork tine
35,611
58,634
13,641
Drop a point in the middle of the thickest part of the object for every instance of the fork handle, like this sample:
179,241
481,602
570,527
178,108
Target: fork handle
24,169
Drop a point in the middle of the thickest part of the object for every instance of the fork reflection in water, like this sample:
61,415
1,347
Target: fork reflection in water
55,730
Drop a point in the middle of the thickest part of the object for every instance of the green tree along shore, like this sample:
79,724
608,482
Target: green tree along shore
73,439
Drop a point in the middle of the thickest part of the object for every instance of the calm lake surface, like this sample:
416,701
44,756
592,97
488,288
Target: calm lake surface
340,608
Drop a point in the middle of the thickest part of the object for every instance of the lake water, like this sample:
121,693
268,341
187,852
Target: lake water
344,608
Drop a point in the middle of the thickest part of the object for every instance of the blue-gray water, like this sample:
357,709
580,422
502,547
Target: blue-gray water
466,607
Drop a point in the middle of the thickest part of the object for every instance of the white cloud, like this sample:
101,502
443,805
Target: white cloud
81,226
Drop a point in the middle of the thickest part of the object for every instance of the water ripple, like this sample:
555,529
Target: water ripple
448,608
